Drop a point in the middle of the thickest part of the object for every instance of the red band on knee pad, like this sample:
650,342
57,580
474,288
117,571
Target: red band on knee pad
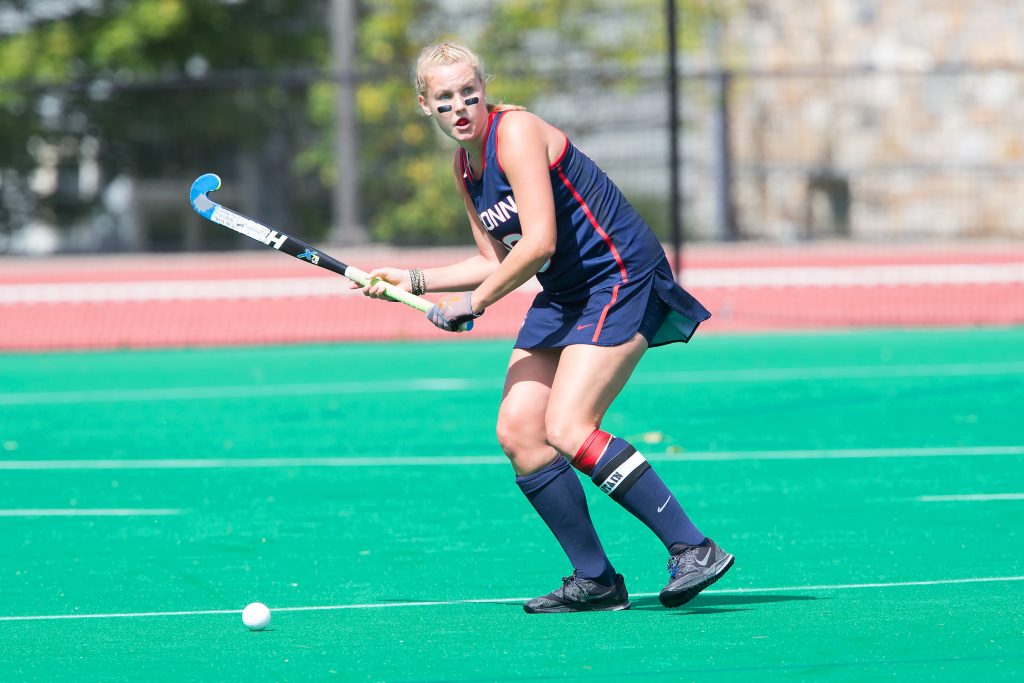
591,451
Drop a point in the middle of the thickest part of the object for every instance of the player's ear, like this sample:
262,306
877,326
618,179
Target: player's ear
423,105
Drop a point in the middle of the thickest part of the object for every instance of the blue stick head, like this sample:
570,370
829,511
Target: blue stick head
204,184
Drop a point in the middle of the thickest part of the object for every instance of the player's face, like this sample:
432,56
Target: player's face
455,98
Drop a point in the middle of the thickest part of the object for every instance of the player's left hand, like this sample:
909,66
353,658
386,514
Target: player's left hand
451,311
378,277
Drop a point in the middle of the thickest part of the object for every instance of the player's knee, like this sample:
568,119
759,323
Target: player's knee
506,436
566,434
507,442
526,455
514,432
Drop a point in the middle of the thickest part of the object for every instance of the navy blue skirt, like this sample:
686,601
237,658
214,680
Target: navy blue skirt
652,304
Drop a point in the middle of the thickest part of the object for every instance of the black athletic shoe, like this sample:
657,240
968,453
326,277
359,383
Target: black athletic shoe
691,569
581,595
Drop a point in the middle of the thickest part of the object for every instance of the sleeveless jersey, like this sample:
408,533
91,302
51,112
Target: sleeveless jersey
601,240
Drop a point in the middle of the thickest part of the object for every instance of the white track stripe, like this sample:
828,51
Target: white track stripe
441,384
88,512
173,290
475,460
856,276
970,497
702,278
477,601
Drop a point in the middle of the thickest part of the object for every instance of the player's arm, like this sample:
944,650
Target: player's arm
462,276
522,149
467,275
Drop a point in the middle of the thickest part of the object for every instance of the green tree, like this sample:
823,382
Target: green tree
170,88
534,47
406,182
166,87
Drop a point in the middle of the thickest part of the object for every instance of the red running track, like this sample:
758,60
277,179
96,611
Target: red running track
102,302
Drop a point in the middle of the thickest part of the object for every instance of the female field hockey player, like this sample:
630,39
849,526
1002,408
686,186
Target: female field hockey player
539,207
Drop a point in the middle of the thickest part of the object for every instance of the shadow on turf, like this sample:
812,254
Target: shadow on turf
716,604
702,604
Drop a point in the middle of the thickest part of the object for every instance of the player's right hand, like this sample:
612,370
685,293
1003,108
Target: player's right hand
454,312
394,276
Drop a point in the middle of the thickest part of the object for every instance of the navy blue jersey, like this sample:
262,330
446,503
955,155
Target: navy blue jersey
602,243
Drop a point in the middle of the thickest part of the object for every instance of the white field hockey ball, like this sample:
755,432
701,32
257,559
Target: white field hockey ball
256,616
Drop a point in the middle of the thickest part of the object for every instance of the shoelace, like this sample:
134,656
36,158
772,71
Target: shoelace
677,563
574,582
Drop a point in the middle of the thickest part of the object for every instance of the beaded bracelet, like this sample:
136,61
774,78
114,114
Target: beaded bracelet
417,283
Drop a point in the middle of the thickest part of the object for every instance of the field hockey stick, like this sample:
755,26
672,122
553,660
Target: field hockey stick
211,210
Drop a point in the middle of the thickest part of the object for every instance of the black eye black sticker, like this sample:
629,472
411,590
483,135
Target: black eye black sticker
444,109
471,101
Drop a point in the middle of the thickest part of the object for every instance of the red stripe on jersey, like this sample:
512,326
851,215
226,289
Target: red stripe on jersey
561,156
463,167
467,168
597,226
497,144
483,148
591,451
604,313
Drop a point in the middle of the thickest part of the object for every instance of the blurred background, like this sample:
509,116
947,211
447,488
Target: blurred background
839,163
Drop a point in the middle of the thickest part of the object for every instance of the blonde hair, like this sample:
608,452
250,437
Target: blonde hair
445,54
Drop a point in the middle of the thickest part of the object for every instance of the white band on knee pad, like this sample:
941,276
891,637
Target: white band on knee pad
618,476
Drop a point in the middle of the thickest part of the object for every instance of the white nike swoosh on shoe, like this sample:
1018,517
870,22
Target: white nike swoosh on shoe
703,563
664,504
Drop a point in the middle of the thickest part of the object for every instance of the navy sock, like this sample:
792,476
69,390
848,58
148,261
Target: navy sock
557,495
627,477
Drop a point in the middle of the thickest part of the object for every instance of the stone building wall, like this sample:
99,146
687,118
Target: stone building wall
893,120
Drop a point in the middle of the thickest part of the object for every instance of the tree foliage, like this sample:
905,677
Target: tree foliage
115,69
169,88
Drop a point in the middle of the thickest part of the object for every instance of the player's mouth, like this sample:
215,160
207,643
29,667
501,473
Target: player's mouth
462,122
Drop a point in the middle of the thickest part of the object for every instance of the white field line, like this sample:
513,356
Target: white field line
442,384
846,453
476,460
970,497
244,391
88,512
704,278
477,601
252,463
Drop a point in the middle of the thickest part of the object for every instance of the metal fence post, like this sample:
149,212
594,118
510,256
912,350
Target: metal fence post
675,200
